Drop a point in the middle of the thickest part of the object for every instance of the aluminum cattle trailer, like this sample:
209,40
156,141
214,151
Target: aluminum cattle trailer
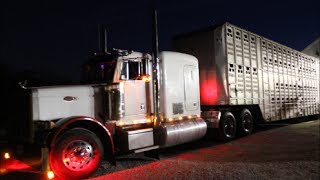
245,74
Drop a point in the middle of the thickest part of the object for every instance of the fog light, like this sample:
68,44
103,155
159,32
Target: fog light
6,155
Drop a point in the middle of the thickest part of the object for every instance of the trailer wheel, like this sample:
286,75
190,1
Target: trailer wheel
76,154
227,127
245,123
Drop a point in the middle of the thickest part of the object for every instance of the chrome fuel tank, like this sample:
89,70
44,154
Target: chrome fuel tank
179,132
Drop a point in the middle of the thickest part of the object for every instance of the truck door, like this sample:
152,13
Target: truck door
134,92
191,87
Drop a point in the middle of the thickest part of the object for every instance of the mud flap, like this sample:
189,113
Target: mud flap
45,167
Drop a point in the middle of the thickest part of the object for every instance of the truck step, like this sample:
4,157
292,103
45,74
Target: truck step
146,149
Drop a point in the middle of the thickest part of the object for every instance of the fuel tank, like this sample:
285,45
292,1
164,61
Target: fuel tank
179,132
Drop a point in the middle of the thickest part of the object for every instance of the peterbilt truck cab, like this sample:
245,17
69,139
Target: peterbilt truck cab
118,109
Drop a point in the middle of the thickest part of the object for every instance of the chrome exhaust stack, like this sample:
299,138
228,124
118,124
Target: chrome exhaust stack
170,133
155,71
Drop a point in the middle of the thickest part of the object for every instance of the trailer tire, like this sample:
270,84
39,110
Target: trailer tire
227,127
76,154
245,123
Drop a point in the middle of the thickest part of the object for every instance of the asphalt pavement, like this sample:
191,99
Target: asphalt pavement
280,150
275,151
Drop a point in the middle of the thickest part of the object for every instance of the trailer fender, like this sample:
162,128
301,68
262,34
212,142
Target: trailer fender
212,118
84,122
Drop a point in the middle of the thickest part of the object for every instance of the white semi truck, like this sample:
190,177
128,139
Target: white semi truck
224,78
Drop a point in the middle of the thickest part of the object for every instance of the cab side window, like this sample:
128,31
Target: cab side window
130,70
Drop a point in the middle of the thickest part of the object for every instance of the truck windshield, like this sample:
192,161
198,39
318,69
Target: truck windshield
106,71
99,70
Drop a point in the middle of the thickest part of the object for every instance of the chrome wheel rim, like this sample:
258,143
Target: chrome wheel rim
229,127
246,123
77,155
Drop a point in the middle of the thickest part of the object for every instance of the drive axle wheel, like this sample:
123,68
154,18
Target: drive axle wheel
76,154
227,127
245,123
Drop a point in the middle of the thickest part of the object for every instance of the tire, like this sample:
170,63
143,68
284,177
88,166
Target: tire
245,123
227,127
76,155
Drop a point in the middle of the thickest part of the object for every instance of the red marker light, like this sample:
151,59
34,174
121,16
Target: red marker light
209,92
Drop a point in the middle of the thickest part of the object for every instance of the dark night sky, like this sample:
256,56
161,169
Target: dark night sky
53,38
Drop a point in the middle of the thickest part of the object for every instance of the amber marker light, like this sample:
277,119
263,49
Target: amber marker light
180,118
50,174
146,78
6,155
198,116
3,171
170,119
121,123
189,117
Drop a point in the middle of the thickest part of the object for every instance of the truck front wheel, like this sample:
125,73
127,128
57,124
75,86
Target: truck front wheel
227,127
76,154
